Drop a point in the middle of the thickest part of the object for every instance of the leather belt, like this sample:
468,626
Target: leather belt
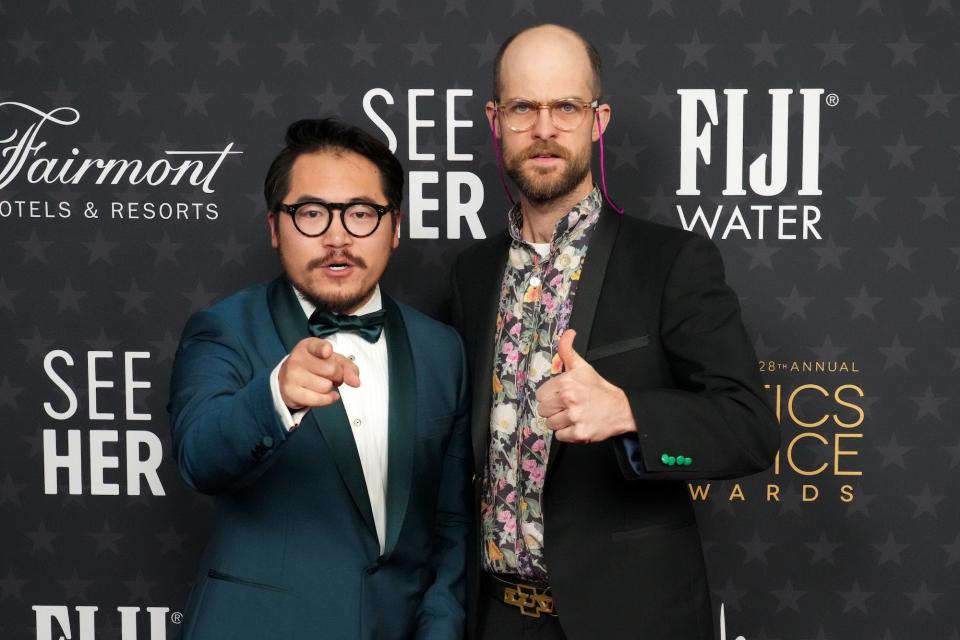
532,598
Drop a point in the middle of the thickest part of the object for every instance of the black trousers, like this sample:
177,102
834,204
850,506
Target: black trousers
501,621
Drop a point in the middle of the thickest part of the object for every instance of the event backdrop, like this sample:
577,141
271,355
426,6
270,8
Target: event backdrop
811,139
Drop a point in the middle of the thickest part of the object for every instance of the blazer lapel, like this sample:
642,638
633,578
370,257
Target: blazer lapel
489,274
588,292
331,421
401,422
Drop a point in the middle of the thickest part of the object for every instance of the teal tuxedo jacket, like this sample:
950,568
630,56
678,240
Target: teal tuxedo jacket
294,551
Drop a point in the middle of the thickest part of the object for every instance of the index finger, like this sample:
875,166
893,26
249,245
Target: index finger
319,347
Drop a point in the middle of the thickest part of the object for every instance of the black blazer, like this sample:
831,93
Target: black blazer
655,317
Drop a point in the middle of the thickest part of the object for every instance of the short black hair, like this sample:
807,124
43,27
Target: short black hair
330,134
593,54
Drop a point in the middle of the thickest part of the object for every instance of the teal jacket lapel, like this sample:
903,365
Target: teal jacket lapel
402,422
331,420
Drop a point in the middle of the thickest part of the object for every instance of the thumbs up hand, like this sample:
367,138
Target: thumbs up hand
579,404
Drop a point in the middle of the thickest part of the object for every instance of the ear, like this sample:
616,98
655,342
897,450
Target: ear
272,222
603,114
396,231
492,111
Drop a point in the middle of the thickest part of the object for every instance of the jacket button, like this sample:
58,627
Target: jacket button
266,441
664,457
671,460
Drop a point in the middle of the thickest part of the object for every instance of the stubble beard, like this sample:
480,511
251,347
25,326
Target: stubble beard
336,301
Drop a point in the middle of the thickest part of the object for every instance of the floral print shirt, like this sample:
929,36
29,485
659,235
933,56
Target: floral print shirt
536,298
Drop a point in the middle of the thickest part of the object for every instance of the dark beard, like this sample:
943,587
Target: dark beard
539,192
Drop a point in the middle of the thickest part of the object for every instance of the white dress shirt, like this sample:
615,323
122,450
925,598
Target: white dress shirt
366,405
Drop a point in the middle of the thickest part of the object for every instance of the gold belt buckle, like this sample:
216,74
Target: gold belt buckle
530,600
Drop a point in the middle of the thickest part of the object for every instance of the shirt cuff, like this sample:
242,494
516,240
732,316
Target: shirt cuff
289,420
631,444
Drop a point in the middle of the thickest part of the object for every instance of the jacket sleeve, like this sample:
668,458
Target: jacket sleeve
716,422
441,615
225,429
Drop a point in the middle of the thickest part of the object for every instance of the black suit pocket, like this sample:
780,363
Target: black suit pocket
612,349
226,577
641,532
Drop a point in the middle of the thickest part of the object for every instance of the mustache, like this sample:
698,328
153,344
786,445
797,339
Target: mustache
336,256
545,148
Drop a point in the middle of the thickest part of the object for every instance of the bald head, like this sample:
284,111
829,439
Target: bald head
547,44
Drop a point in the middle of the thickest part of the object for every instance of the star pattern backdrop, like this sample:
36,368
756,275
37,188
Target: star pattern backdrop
853,535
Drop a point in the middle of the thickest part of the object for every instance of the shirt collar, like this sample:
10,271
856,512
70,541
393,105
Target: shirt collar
590,204
375,303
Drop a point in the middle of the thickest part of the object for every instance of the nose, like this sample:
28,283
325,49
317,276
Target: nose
336,234
543,126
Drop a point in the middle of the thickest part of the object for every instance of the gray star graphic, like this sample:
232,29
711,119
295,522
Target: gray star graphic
100,249
896,354
869,5
387,5
822,549
827,352
27,48
665,6
898,254
695,51
868,101
171,540
591,5
106,539
938,101
328,5
166,250
68,297
62,96
75,588
231,250
260,5
922,599
756,549
34,248
294,50
788,597
832,153
523,5
422,51
7,295
262,100
228,49
140,588
42,539
660,102
659,205
934,204
866,204
134,298
931,304
862,304
829,254
129,5
36,345
790,500
193,5
833,50
11,586
794,304
762,349
940,4
161,49
486,50
730,596
58,4
627,51
956,251
925,502
952,550
760,254
893,453
764,51
456,5
860,504
10,491
729,5
128,99
928,404
9,393
903,50
626,152
901,153
165,348
799,5
162,145
329,100
195,100
856,598
200,298
102,342
362,50
93,48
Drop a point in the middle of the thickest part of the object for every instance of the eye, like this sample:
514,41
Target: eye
522,107
566,107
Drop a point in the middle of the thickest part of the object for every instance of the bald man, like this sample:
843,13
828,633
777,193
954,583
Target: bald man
610,367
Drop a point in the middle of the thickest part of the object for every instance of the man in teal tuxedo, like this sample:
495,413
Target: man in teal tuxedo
329,421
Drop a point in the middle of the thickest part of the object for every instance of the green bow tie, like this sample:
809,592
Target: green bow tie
368,326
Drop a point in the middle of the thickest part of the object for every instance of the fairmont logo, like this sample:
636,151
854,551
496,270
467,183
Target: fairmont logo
20,155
